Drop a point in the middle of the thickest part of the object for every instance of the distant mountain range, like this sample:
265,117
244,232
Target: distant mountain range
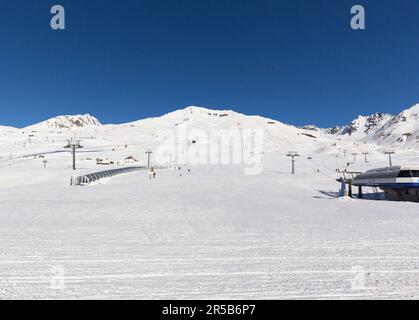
379,128
383,129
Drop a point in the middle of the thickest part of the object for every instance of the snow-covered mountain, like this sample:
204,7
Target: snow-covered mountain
401,131
6,128
67,122
364,126
198,120
383,129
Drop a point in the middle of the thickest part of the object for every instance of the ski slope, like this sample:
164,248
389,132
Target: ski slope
211,233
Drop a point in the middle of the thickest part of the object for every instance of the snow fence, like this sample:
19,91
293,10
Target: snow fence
92,177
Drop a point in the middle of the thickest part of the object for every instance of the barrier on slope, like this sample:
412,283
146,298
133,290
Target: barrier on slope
92,177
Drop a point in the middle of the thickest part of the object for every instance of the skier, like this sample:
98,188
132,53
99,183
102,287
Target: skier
342,191
151,174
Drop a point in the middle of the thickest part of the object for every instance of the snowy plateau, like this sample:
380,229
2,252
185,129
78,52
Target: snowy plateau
204,231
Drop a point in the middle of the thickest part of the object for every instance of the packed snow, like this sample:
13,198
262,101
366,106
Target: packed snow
203,231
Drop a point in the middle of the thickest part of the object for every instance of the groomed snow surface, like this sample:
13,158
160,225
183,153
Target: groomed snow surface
211,233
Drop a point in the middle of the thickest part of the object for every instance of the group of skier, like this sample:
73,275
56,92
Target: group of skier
152,172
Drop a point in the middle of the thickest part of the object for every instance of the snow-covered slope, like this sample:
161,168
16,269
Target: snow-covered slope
402,130
213,123
196,232
67,122
270,235
247,136
379,129
384,129
365,126
7,129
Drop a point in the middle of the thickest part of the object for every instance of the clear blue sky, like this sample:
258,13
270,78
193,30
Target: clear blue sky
296,61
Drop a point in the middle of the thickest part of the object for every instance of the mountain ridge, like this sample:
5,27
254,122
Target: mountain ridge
67,122
380,128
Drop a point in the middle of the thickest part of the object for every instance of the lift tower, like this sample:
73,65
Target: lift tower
73,144
354,154
365,156
389,153
148,152
293,155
